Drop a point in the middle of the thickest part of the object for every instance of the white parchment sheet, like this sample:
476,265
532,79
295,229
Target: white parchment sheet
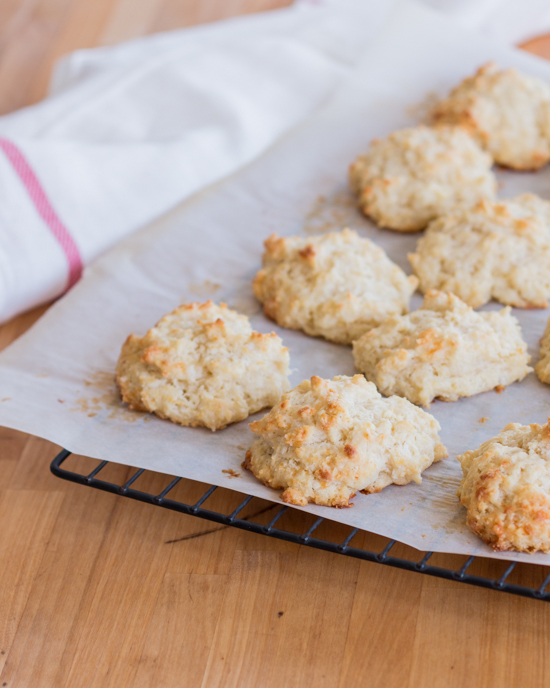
57,380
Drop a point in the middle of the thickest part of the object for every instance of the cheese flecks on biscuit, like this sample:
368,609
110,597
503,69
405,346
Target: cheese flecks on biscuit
506,489
414,175
506,111
327,439
336,286
495,251
203,364
444,350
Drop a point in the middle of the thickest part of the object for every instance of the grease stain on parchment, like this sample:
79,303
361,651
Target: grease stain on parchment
245,305
333,212
204,289
106,399
422,112
238,450
456,523
442,501
447,491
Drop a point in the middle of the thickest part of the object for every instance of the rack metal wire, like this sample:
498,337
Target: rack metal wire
422,565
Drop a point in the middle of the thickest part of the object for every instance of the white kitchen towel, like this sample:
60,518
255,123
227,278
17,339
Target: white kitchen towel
117,147
128,132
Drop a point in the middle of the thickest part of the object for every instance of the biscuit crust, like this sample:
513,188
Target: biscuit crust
444,350
496,250
335,286
202,365
506,111
543,366
506,489
327,439
414,175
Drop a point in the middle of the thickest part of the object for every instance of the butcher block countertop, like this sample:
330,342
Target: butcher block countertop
101,591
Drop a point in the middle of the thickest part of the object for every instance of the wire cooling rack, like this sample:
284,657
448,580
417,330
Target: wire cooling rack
463,573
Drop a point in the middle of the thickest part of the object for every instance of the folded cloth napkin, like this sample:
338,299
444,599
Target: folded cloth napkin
129,132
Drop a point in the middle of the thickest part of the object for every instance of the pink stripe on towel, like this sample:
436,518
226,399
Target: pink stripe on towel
45,210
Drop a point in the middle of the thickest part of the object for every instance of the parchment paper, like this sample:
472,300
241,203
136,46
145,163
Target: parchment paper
57,380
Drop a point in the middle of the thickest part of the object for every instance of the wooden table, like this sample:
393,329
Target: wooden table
100,591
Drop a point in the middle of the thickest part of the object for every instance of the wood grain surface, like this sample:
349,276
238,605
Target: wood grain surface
100,591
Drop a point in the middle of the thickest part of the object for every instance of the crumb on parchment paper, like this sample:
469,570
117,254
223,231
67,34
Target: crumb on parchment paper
333,212
422,111
483,420
106,401
231,473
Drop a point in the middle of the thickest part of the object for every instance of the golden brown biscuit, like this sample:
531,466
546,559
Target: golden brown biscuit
506,111
336,286
414,175
444,350
203,364
327,439
496,250
506,489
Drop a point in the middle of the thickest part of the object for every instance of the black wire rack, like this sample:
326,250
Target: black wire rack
463,573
